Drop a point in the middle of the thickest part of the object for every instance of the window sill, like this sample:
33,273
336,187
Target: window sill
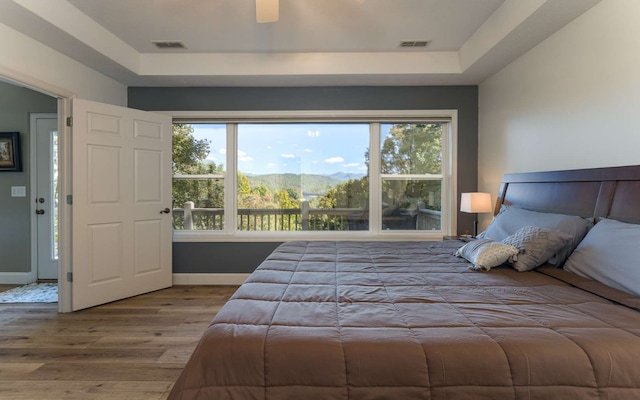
213,236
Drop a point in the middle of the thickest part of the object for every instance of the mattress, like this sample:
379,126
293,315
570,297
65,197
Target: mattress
408,320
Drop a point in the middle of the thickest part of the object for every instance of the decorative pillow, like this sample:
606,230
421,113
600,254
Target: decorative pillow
609,254
536,246
510,219
486,254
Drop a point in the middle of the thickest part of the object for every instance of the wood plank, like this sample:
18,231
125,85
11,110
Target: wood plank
55,342
83,390
113,355
105,372
13,371
129,349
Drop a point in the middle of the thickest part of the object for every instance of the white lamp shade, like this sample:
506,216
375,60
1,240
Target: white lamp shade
476,202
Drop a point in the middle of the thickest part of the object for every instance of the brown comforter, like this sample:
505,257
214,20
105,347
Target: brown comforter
407,320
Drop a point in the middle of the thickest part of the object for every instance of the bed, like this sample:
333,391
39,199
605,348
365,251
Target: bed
410,320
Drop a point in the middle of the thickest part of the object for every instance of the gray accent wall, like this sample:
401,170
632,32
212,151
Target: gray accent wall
217,257
16,103
220,257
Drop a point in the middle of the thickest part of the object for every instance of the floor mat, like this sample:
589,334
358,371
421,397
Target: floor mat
31,293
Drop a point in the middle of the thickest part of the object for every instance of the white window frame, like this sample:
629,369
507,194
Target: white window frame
371,117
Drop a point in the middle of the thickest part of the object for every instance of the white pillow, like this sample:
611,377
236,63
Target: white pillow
485,254
610,254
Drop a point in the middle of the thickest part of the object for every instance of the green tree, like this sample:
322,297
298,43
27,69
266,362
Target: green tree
412,149
189,158
261,190
244,187
188,153
284,199
350,194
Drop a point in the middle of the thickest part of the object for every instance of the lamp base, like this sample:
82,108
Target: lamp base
475,225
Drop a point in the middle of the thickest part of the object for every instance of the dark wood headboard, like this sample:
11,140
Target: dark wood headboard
598,192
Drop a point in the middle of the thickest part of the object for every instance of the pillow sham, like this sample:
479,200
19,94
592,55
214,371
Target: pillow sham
536,246
485,254
510,219
609,254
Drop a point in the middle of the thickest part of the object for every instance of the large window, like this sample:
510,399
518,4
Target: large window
326,179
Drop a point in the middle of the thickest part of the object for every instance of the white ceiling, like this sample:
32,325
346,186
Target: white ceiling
315,42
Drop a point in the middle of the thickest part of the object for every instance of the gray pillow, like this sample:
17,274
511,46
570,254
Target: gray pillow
485,254
511,219
536,246
609,254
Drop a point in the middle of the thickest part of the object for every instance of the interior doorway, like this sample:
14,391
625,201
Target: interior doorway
44,195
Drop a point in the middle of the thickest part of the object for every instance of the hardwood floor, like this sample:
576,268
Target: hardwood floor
131,349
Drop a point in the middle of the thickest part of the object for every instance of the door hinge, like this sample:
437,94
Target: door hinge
69,276
69,121
69,199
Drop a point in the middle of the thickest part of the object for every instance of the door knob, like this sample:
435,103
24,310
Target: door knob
39,212
41,200
165,211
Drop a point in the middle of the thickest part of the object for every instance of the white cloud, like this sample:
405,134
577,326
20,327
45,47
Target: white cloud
222,151
211,158
308,151
351,165
271,165
242,156
334,160
287,156
269,147
315,162
313,133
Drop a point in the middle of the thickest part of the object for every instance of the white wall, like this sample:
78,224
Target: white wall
23,58
573,101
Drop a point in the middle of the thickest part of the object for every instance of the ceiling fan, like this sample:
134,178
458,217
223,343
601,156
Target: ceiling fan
267,11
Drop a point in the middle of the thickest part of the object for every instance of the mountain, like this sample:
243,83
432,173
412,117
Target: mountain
345,176
309,184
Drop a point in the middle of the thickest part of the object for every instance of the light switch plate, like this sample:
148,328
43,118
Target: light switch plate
18,191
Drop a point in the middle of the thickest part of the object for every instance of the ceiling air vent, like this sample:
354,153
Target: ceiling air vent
169,44
414,43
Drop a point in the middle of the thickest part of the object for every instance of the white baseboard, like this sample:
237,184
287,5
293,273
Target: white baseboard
209,279
16,278
22,278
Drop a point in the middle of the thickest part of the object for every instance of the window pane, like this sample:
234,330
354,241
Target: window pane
411,204
54,191
303,176
411,148
198,176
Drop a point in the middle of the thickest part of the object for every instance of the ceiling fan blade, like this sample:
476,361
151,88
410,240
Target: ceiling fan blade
267,11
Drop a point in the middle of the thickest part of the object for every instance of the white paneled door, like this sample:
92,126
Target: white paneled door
121,212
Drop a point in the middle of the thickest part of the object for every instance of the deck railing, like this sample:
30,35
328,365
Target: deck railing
297,219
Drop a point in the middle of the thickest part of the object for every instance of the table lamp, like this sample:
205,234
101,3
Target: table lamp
475,203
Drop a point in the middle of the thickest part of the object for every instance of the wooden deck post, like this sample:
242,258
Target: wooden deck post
188,217
304,210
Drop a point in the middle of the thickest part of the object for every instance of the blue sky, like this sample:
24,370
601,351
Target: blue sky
310,148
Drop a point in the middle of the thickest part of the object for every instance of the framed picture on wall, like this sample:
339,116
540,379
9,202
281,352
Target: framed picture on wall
10,151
